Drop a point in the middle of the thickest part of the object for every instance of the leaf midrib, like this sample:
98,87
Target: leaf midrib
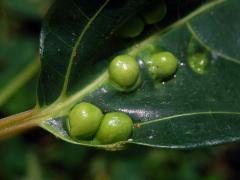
63,103
74,50
133,50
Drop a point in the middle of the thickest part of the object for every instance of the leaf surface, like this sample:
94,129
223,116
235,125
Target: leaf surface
189,110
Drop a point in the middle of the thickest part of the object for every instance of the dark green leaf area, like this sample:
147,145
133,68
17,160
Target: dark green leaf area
75,36
189,109
187,92
220,31
206,105
189,131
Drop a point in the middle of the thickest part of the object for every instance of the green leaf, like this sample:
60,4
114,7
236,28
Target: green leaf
28,9
86,38
19,63
189,110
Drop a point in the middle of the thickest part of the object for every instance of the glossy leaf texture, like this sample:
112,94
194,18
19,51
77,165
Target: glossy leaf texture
189,110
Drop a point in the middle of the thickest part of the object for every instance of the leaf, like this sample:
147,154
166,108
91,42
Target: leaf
18,63
190,110
82,42
28,9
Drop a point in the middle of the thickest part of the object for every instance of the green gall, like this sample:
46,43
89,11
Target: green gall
84,120
198,63
162,65
132,28
115,127
154,13
124,72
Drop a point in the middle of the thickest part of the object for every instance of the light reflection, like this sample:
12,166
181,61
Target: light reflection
141,113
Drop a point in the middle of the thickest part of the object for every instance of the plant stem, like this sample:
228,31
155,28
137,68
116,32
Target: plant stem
18,123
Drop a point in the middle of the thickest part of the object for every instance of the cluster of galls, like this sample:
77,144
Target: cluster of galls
87,122
150,15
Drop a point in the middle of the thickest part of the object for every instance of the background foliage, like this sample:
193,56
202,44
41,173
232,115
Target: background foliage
39,155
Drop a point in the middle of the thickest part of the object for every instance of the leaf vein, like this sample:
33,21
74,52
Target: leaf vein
198,39
60,39
80,10
74,50
189,114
